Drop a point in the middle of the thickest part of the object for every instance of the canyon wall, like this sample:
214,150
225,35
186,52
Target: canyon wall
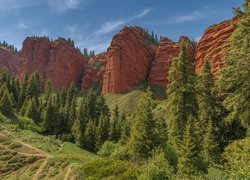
128,60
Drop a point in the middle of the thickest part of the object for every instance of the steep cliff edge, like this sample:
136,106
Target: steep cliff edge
128,59
9,60
163,58
94,71
214,44
56,61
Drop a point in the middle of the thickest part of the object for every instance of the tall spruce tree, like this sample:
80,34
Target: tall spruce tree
32,110
22,95
234,81
209,119
188,162
181,102
115,127
5,104
142,139
90,136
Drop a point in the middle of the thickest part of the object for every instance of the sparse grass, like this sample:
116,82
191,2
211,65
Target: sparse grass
71,149
10,159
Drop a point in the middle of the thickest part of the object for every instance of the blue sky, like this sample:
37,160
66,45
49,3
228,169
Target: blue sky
92,23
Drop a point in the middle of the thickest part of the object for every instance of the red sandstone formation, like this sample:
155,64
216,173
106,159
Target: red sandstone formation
214,44
95,71
163,58
9,60
56,61
66,65
129,59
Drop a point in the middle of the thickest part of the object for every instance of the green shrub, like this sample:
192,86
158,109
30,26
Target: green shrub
237,157
156,168
28,124
108,168
107,149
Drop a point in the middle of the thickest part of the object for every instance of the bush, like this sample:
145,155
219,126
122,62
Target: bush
157,167
237,157
107,149
28,124
108,168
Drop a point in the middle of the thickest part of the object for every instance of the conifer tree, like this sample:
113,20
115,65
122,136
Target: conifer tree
188,162
181,102
234,81
79,125
102,130
142,140
49,117
22,95
115,128
5,104
125,129
32,110
90,136
208,115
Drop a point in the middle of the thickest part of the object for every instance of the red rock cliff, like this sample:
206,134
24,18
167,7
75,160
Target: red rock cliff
55,61
94,72
214,44
128,58
9,60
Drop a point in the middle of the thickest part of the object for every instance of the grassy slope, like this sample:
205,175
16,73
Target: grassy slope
53,159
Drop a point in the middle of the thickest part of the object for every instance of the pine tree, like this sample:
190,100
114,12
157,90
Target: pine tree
234,81
90,136
49,117
32,110
33,87
210,153
208,115
115,127
5,104
142,140
22,95
102,130
79,125
188,162
125,130
181,102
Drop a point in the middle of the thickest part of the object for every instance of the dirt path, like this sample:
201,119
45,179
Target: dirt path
41,168
25,149
68,172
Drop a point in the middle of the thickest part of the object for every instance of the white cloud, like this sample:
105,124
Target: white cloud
62,5
6,5
112,25
188,17
21,25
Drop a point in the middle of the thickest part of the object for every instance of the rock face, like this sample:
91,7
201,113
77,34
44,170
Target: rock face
9,60
94,72
167,50
129,59
162,62
214,44
56,61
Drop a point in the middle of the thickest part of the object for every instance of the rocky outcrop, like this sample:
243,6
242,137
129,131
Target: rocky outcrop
162,62
9,60
167,50
56,61
129,59
214,44
94,72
